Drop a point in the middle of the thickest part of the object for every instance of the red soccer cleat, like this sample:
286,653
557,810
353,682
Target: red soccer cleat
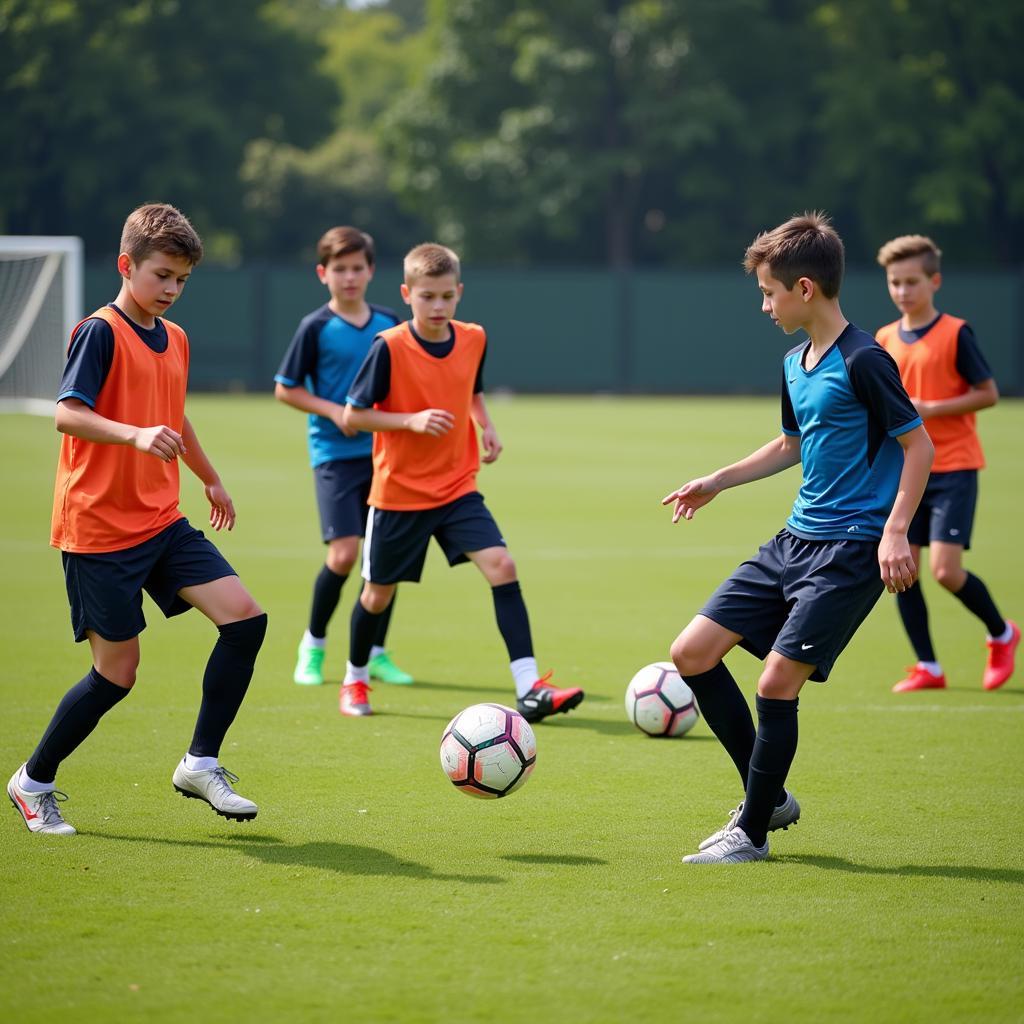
353,700
1000,659
919,678
545,699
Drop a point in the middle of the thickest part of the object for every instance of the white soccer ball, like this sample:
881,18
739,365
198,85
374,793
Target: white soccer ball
488,751
659,703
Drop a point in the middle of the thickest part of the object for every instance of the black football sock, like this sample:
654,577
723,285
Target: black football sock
363,631
975,598
725,710
513,620
914,613
384,623
326,594
225,681
774,750
76,716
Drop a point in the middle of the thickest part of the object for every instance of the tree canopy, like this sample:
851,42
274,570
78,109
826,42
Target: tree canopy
619,132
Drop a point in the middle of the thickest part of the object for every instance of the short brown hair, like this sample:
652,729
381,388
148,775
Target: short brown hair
906,247
430,260
159,227
805,246
343,241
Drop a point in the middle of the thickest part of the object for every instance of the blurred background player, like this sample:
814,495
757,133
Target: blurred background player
121,411
421,392
328,348
948,381
865,457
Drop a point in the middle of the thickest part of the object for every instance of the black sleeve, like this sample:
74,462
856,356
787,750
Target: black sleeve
299,362
478,387
789,423
970,363
875,379
373,381
89,360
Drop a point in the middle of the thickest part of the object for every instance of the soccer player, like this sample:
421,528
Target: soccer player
121,411
865,456
948,381
328,348
421,392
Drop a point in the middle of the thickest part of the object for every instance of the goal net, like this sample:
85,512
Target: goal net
40,303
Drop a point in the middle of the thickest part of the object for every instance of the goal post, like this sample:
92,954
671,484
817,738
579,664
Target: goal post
41,285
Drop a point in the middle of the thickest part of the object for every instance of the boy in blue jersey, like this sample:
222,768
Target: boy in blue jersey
328,348
865,457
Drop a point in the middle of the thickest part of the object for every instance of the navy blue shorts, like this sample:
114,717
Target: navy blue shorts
946,512
801,598
105,591
342,490
396,542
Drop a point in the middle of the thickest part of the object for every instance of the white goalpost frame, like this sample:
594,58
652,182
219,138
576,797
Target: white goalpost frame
57,247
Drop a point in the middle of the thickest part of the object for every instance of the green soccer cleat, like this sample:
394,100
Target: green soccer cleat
309,669
383,669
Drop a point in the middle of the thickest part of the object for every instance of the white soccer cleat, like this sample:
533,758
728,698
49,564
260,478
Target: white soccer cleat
214,786
734,847
39,810
786,814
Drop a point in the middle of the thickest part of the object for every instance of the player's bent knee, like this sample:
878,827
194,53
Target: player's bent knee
245,634
689,658
376,599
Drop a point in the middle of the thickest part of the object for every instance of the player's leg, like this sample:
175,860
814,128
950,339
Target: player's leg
32,789
468,531
927,673
364,628
341,556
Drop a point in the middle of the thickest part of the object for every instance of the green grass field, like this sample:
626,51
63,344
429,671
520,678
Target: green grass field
368,889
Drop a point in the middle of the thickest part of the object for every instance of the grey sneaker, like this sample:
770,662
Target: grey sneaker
733,848
214,786
39,810
786,814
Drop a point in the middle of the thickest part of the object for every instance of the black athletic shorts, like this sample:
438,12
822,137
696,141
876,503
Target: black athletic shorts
396,542
105,591
946,512
342,490
802,598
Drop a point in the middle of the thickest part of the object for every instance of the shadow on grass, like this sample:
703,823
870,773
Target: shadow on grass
570,859
1015,876
615,727
344,858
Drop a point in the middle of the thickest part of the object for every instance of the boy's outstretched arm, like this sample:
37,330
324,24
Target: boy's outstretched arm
426,421
488,434
222,509
894,558
772,458
76,418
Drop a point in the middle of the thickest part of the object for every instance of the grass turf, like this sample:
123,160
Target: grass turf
369,889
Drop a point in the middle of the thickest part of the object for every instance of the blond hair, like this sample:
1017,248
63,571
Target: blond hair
430,260
907,247
804,246
159,227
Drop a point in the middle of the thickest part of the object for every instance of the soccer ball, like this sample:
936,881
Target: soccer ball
659,703
488,751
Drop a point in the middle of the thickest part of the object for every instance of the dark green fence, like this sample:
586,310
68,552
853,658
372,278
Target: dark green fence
565,331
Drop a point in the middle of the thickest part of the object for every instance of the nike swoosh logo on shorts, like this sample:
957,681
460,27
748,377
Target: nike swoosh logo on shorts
806,647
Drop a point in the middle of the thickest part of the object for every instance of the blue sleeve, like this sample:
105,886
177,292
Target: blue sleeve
373,381
789,423
970,363
875,379
300,360
89,361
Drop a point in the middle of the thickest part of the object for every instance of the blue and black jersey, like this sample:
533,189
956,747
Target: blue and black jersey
324,356
847,411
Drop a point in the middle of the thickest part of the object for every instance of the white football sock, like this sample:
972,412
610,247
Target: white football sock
1005,637
524,672
356,674
200,764
375,650
933,668
313,641
27,783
